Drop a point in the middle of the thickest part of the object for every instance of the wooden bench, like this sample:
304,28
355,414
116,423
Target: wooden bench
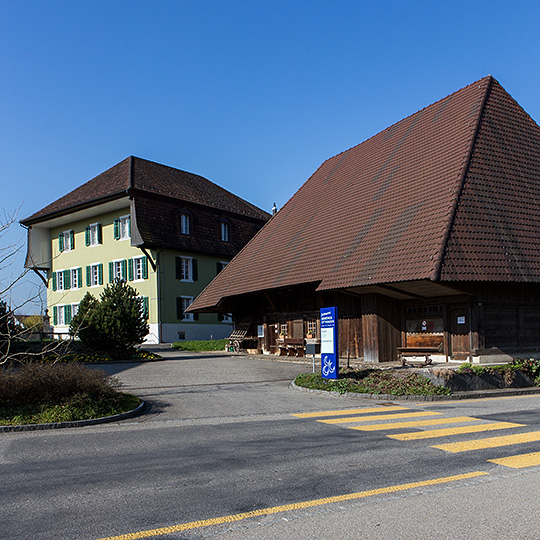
291,347
418,351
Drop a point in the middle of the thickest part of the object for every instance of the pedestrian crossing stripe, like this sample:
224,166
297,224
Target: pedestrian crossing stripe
378,417
520,461
415,423
344,412
490,442
446,432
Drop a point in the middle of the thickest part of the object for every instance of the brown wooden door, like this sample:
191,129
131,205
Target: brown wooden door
460,326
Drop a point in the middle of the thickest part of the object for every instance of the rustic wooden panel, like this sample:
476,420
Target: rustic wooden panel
424,340
531,327
501,326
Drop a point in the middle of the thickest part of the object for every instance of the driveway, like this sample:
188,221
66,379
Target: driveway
184,386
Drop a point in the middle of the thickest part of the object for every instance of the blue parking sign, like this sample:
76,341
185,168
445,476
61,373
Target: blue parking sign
329,343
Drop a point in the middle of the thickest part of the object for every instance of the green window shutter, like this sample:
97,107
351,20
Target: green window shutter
116,229
72,238
124,269
67,279
100,273
194,269
61,242
54,281
79,277
88,276
145,267
220,317
129,226
67,313
195,316
178,261
87,236
99,233
145,306
130,269
55,315
111,272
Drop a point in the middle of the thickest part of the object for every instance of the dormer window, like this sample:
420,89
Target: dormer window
225,230
185,223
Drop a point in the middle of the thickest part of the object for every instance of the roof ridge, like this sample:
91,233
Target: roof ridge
455,204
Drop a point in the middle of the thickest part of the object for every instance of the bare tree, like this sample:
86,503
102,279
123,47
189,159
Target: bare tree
15,335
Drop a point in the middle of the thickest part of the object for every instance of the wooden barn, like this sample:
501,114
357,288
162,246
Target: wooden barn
425,236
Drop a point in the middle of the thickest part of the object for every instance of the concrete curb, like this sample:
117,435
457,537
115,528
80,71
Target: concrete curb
456,396
75,423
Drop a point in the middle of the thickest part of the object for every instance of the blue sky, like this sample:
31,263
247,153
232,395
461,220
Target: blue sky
252,95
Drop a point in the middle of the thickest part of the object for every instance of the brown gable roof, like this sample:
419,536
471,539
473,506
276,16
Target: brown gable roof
139,176
435,196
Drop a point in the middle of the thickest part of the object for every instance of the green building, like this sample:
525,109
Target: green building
167,232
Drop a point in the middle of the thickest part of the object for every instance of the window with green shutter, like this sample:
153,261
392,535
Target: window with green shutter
55,315
116,229
67,279
54,281
61,242
67,313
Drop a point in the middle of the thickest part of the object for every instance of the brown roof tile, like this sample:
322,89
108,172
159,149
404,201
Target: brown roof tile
136,175
440,195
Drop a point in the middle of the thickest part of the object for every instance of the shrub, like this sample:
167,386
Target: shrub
115,323
373,381
201,345
53,383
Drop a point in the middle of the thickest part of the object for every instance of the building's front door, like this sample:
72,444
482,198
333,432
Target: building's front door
460,332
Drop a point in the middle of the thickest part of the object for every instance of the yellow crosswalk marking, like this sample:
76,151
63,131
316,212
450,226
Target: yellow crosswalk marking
415,423
350,411
432,433
378,417
520,461
491,442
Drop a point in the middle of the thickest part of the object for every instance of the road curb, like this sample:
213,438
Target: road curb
473,394
75,423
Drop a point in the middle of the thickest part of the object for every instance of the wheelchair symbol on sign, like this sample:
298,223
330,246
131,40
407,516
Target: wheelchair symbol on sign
328,366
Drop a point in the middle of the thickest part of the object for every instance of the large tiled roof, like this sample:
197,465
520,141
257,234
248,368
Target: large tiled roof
449,193
139,176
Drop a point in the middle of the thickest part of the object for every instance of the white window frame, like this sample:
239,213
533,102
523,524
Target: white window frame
186,269
94,275
124,227
185,223
225,231
74,278
186,302
94,234
227,318
74,309
60,315
117,270
68,246
138,268
60,280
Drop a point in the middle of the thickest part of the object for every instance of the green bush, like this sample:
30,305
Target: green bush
38,393
115,323
373,381
201,345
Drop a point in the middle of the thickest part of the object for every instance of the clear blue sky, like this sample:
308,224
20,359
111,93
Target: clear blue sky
252,95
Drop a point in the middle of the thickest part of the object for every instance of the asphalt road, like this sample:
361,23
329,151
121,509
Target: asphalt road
224,436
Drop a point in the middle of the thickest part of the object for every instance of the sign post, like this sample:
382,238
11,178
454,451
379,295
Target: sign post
329,343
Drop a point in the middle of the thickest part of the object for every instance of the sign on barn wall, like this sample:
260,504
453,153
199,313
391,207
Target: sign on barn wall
329,343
